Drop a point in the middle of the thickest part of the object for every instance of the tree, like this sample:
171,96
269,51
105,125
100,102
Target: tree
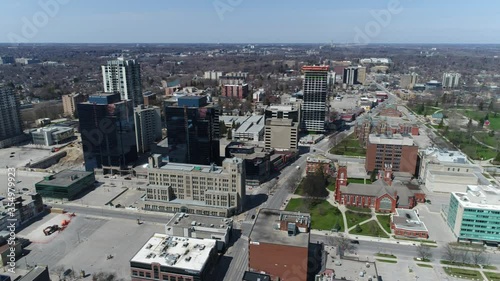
103,276
343,244
223,129
450,253
373,176
480,106
441,123
463,255
358,229
480,124
229,134
424,252
479,257
315,185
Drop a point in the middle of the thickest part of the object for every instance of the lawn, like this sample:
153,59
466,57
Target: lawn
331,186
299,190
424,265
360,181
359,209
460,264
463,273
385,221
349,147
323,215
386,255
492,276
370,228
387,261
355,218
476,115
470,147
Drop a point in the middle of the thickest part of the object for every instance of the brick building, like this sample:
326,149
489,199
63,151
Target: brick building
388,192
397,150
239,91
407,223
315,164
383,125
279,244
390,111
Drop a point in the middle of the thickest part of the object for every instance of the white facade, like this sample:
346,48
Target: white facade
213,75
52,135
451,79
123,76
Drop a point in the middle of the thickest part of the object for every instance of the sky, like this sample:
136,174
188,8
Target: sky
249,21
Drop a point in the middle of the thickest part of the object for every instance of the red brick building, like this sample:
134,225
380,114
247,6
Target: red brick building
407,223
313,165
396,150
384,195
390,112
279,244
239,91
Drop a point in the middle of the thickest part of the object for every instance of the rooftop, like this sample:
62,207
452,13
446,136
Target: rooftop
279,122
35,273
408,219
395,139
64,178
175,252
266,228
448,156
253,124
318,159
480,197
212,169
281,108
254,276
200,222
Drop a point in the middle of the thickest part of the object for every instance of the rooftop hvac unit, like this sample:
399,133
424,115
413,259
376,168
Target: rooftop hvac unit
187,259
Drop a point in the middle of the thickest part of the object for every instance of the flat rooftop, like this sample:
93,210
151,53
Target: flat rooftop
199,168
447,156
64,178
199,221
175,252
480,197
266,229
395,139
279,122
408,219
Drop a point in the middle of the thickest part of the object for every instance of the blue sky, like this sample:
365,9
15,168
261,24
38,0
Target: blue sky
255,21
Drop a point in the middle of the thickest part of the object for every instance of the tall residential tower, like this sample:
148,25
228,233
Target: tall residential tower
10,117
315,96
123,76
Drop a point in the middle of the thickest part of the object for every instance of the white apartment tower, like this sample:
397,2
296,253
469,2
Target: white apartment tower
123,76
451,79
147,126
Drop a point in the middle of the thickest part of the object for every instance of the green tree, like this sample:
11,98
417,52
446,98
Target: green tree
480,123
229,134
223,129
315,185
358,229
480,106
373,176
441,123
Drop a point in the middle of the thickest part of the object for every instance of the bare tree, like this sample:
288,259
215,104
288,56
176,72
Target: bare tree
424,252
59,271
450,253
479,257
463,255
343,245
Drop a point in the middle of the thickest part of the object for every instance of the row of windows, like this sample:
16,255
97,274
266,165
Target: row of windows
166,277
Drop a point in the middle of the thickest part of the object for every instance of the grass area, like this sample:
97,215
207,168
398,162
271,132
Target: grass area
386,255
476,115
349,147
370,228
359,209
355,218
492,276
387,261
360,181
300,188
460,264
424,265
385,221
324,216
468,146
463,273
466,245
492,267
331,186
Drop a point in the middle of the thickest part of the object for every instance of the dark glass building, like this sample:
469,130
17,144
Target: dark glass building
107,129
193,131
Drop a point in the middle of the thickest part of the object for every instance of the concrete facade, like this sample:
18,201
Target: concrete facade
281,134
202,190
147,121
70,101
123,76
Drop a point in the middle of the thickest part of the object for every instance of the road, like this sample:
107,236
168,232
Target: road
119,213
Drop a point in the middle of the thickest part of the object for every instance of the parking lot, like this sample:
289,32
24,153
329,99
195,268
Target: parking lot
20,156
86,244
407,269
438,229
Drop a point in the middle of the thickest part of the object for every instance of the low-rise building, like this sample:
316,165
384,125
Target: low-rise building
21,210
201,227
318,163
407,223
474,215
252,129
166,257
195,189
279,244
37,273
66,184
399,151
51,135
256,159
239,91
446,171
389,192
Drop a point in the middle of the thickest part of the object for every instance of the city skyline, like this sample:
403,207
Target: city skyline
239,21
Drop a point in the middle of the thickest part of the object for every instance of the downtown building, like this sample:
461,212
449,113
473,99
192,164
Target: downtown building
194,189
399,151
147,121
474,215
315,97
70,102
108,133
193,131
451,80
123,76
11,129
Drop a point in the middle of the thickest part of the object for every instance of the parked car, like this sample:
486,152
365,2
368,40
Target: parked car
354,242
